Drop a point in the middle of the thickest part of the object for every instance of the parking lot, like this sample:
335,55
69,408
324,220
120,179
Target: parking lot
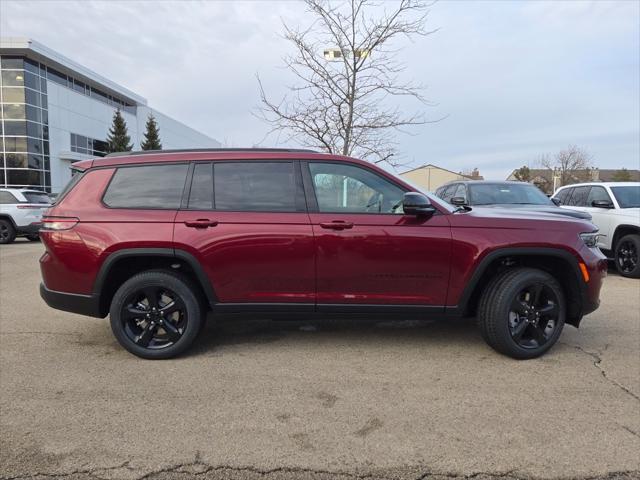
300,400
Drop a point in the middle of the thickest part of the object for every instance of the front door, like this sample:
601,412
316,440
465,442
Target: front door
367,250
246,223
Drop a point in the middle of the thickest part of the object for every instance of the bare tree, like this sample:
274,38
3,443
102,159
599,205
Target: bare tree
339,104
572,165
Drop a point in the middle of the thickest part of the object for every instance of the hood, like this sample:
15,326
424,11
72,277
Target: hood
551,209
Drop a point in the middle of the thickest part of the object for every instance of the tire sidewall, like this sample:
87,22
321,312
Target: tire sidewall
11,230
157,279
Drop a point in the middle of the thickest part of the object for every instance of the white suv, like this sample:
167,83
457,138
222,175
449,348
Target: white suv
615,209
21,213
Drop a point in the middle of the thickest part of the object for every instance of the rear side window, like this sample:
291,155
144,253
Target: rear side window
255,187
36,197
148,186
579,197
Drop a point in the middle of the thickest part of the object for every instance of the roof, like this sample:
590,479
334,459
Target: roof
601,184
431,165
30,48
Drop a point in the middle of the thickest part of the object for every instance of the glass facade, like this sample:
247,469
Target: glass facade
88,145
24,124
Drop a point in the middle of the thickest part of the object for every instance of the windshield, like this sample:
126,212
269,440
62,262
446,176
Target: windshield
36,197
507,193
627,197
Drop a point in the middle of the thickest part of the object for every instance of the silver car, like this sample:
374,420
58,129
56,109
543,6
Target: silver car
21,213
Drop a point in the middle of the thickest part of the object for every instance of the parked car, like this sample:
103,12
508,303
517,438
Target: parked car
21,213
615,208
506,194
157,239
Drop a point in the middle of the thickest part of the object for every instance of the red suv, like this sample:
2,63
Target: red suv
157,239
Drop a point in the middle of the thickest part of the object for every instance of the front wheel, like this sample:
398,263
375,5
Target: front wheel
522,313
156,315
626,256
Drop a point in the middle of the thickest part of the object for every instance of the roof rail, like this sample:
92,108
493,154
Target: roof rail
204,150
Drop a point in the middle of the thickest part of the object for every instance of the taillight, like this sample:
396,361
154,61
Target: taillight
58,223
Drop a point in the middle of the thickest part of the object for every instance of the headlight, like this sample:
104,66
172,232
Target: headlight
590,239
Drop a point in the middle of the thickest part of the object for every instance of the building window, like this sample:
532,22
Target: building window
24,124
90,146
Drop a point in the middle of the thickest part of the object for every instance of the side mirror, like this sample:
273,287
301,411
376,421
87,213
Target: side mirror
460,201
556,201
414,203
602,204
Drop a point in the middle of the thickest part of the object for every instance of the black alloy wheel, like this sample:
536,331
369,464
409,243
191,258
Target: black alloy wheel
154,317
627,256
533,316
157,314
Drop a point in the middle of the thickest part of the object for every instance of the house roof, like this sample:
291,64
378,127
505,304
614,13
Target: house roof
431,165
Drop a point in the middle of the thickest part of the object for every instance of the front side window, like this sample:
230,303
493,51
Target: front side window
253,186
461,192
447,192
597,194
343,188
148,186
563,195
627,197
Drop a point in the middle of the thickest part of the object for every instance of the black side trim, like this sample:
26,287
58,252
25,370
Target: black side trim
233,308
380,309
585,307
155,252
88,305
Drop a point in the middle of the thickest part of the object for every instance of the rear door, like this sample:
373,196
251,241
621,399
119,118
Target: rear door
246,223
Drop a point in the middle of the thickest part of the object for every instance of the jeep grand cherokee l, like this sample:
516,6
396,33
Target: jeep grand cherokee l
157,239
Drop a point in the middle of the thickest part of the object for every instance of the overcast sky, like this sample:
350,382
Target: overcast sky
514,80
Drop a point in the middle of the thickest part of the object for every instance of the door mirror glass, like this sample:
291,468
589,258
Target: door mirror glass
458,201
414,203
602,204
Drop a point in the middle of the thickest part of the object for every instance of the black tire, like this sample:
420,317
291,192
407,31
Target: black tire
627,256
139,323
522,312
33,237
7,232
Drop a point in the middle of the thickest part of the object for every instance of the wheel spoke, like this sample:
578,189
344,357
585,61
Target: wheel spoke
519,306
152,295
519,330
173,333
550,310
169,308
147,334
538,334
536,290
135,312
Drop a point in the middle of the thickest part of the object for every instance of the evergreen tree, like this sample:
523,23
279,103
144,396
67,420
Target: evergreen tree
151,136
118,138
523,174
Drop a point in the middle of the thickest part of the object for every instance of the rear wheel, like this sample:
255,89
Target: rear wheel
156,315
7,231
522,313
626,256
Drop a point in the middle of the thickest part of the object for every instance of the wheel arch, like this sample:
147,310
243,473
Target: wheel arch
123,264
621,231
5,216
557,262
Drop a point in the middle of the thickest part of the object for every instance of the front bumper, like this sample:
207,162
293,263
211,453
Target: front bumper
71,302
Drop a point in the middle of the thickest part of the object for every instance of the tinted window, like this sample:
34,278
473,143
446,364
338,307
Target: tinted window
255,186
36,197
597,194
351,189
563,195
447,192
152,186
579,197
201,195
7,198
